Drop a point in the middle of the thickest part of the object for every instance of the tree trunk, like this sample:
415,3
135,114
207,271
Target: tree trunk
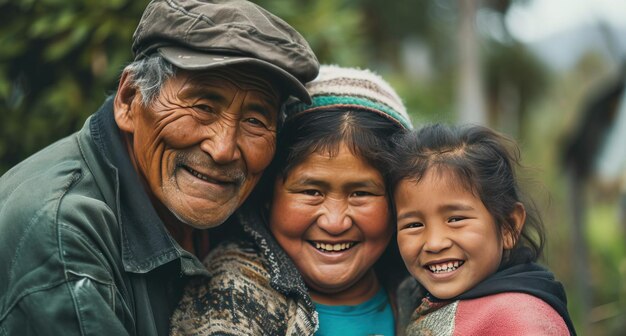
471,104
582,272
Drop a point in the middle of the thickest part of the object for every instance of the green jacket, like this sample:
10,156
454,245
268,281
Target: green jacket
82,250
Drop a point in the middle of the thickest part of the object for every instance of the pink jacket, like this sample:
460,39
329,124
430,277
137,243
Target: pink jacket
510,313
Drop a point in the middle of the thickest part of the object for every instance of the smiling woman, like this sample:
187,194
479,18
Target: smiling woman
316,258
330,214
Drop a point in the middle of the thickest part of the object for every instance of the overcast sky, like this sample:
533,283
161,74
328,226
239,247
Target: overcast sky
542,18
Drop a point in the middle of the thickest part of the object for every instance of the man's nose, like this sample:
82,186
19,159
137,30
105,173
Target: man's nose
223,134
221,144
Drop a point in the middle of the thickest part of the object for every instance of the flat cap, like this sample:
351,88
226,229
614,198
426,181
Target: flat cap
205,34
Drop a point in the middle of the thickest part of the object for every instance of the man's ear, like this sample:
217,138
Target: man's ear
123,103
517,218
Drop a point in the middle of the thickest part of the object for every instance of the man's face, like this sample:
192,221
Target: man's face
204,141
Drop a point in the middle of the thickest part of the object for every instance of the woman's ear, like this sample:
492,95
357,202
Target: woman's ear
517,218
123,103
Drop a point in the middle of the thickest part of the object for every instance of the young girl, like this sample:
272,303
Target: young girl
315,257
468,239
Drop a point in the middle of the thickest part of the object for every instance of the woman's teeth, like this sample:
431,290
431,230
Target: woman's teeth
445,267
333,247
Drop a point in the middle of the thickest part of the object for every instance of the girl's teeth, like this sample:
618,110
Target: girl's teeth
445,267
333,247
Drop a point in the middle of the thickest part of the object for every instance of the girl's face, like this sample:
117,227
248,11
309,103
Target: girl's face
448,239
330,214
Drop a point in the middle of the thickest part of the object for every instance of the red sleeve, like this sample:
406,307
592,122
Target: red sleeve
508,314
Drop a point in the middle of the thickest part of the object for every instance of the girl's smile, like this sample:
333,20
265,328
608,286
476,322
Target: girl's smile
444,267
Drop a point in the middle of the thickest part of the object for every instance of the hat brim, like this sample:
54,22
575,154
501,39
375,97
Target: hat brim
195,60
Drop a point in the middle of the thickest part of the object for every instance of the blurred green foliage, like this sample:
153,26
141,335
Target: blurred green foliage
548,121
58,60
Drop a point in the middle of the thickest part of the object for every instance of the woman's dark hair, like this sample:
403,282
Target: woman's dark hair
366,134
484,162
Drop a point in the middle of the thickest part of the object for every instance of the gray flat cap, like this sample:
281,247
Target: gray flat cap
205,34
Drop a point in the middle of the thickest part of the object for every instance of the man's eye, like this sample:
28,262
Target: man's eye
203,108
311,192
255,122
361,194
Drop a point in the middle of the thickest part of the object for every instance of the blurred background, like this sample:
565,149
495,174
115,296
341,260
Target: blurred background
549,73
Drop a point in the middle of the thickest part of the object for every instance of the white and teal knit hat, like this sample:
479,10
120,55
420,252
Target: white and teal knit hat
353,88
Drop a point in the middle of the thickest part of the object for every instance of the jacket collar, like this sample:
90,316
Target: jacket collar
145,242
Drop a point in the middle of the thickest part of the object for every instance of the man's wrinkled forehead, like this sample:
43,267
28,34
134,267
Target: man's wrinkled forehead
244,78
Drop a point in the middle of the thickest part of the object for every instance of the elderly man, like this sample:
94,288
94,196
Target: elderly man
100,231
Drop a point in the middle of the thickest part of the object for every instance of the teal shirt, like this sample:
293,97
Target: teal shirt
372,317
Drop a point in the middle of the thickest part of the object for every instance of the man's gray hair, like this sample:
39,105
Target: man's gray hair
149,74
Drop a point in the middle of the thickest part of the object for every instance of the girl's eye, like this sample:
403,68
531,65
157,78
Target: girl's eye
412,225
361,194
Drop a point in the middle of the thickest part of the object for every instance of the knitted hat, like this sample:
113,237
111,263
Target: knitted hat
355,89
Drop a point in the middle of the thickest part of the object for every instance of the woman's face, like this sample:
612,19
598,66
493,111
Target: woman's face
330,214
